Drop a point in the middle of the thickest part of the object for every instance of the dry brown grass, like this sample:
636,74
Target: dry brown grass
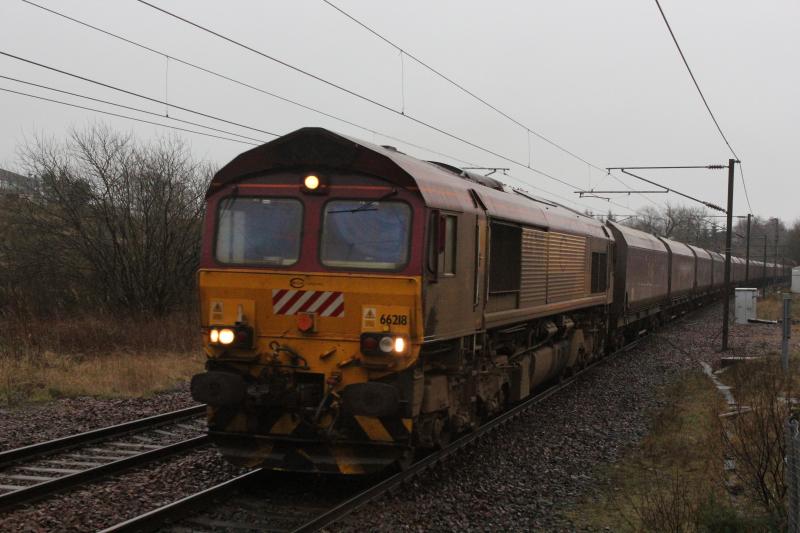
107,356
116,375
771,307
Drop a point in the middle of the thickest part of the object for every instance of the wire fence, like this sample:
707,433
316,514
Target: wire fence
793,474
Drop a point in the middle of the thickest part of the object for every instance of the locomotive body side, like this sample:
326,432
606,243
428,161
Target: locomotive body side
538,275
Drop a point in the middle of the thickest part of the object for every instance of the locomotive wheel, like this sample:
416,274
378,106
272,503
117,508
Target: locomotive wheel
443,433
405,460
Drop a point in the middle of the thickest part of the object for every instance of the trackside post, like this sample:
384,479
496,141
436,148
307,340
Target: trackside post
787,329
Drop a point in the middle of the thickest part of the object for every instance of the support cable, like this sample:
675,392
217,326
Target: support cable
356,94
528,130
130,108
132,93
705,102
125,116
209,71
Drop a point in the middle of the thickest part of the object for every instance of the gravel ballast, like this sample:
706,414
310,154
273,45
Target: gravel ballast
525,476
30,424
102,504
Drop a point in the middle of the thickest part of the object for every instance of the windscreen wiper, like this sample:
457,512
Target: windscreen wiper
368,206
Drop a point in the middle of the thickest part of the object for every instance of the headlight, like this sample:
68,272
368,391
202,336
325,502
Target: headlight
399,345
311,182
239,336
227,336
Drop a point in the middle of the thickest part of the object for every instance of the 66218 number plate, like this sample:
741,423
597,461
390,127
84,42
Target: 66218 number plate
392,318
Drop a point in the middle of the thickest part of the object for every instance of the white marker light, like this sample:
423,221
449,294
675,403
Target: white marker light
311,182
386,344
399,345
214,336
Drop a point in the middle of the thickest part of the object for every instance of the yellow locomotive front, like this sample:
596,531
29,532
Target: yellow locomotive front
310,291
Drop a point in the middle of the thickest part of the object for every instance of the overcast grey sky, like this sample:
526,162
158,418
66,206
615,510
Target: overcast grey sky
602,79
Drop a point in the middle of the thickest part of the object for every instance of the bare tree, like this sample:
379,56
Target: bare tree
113,220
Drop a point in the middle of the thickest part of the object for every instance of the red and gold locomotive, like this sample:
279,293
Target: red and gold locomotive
359,304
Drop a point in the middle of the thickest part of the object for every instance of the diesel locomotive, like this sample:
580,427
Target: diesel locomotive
360,305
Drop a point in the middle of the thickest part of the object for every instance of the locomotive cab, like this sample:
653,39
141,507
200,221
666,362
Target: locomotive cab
310,290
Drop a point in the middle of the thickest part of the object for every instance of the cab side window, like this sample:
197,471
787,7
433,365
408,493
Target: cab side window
443,243
449,252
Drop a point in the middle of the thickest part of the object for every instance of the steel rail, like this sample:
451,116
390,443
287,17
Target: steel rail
9,457
40,490
177,510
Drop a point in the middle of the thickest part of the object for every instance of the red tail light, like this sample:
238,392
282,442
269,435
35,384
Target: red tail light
369,344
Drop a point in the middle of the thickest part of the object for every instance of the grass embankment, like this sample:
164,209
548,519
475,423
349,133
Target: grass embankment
660,485
96,356
767,338
677,479
771,307
705,466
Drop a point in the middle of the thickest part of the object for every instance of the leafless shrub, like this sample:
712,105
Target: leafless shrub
112,223
667,504
754,437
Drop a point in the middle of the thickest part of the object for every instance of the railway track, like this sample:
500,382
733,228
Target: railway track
39,470
243,512
231,506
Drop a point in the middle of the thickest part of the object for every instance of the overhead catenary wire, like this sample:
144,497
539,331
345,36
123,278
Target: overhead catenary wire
528,130
132,93
130,108
242,83
127,117
274,95
172,58
357,95
705,101
118,115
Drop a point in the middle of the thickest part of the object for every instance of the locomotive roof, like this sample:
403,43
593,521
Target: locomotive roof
440,187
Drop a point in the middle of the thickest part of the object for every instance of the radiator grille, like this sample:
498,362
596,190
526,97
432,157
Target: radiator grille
533,287
566,267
